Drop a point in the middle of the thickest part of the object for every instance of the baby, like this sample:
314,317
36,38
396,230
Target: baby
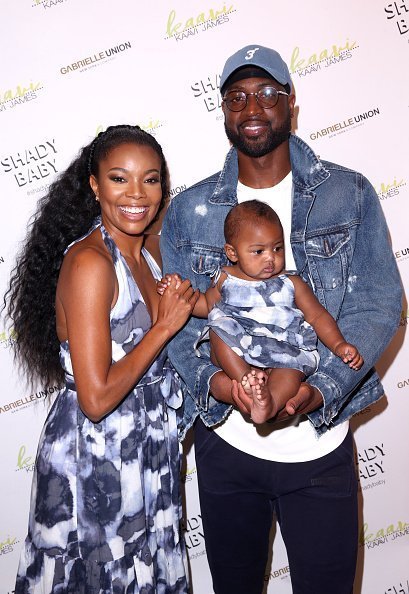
263,322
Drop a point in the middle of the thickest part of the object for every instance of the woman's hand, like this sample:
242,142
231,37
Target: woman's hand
176,304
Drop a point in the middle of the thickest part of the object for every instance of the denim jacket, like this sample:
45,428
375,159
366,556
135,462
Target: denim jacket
341,248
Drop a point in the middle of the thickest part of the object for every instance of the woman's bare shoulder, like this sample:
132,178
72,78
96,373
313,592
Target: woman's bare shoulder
90,255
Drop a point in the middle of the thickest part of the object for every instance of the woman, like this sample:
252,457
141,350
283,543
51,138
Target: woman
105,504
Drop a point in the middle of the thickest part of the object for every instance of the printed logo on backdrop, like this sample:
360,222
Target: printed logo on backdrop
398,13
402,254
180,27
400,588
174,191
24,460
371,466
33,164
389,190
7,545
152,125
373,536
28,401
345,125
96,59
20,95
47,3
206,91
304,64
283,573
194,538
187,476
403,383
7,337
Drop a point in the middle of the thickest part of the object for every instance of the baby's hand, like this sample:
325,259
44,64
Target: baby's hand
350,355
164,283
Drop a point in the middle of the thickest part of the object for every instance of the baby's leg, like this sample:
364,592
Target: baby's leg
282,384
225,358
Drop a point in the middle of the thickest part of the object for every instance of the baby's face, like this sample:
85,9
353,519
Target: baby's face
259,250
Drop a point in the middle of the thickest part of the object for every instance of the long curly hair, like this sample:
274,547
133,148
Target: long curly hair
64,214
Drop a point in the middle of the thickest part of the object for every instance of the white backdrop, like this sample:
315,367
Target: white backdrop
71,68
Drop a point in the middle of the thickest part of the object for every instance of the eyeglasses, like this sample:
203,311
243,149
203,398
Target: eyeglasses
266,97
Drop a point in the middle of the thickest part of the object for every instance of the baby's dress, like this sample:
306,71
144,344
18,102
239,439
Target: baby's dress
105,503
260,322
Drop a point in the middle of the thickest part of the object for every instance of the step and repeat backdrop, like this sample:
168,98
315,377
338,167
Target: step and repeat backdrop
70,68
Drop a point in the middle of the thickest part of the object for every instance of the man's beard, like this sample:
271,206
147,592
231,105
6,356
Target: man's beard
260,146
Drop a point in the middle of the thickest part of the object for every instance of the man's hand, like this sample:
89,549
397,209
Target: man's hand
231,392
306,400
241,400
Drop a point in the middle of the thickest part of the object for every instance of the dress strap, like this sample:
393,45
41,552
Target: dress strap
216,275
153,265
96,223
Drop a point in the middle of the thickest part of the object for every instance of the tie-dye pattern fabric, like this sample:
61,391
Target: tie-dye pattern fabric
260,322
105,505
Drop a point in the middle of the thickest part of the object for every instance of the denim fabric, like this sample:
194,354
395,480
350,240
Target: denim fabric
341,248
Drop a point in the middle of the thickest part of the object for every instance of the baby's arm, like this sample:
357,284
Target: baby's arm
324,324
205,302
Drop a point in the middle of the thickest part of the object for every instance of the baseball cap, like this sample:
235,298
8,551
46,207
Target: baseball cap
257,56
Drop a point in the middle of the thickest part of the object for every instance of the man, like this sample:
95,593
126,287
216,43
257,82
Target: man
337,240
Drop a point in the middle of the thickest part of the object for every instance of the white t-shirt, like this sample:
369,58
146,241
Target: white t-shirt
295,440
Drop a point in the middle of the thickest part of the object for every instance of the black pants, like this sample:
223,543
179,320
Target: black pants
316,507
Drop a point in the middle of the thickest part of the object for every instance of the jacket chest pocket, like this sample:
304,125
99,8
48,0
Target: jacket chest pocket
206,262
328,258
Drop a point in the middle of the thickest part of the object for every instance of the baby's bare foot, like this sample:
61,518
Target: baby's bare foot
246,382
263,406
254,378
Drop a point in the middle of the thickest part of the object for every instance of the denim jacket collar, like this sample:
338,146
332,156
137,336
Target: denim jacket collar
308,172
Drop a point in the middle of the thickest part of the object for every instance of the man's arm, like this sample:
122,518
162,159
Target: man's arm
324,324
370,311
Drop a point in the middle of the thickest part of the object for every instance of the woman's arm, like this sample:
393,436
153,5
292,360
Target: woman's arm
86,291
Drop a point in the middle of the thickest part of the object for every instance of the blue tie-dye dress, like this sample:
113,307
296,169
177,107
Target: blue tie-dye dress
261,323
105,504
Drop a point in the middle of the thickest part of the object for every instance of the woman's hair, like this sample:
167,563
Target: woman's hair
246,212
64,214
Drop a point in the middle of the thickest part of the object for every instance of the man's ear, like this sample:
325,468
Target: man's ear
291,104
230,252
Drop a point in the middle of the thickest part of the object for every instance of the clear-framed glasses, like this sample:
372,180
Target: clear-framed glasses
267,97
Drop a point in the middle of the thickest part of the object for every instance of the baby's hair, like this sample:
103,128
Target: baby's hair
251,210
